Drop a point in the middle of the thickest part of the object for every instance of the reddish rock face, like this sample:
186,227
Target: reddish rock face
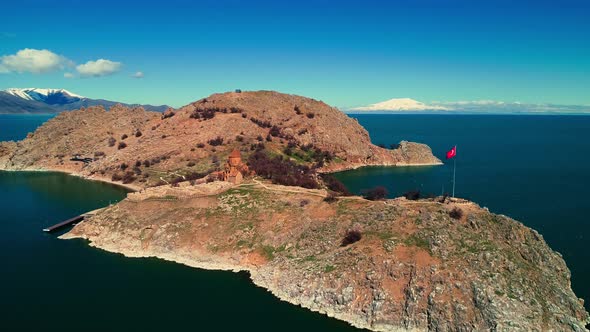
194,138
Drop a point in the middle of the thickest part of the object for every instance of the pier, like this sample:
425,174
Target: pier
70,222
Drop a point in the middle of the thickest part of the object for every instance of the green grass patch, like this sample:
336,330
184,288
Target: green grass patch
415,240
310,258
268,252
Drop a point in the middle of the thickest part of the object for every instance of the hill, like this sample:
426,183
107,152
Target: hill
393,265
41,101
305,134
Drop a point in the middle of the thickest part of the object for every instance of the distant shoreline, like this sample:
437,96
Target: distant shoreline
459,113
98,179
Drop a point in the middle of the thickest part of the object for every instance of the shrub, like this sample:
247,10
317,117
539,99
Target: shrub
244,115
167,114
303,202
201,145
121,145
147,163
216,141
190,164
138,133
268,138
129,177
98,154
282,171
412,195
117,177
331,198
260,138
260,123
205,114
335,185
275,131
351,236
257,147
112,141
123,166
310,115
302,131
376,193
297,110
195,175
239,138
138,163
456,213
124,136
137,170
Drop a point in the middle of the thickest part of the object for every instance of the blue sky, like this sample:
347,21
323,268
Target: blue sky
346,53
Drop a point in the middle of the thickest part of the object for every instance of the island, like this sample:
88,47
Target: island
240,181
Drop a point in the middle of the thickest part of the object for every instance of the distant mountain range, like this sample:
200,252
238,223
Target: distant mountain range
399,104
407,105
38,101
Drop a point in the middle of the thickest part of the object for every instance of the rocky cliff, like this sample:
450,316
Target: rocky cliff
394,265
157,147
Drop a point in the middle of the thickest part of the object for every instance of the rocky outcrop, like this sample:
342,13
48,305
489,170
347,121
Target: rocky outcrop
155,148
415,268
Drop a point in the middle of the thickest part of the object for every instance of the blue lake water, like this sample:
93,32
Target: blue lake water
47,284
533,168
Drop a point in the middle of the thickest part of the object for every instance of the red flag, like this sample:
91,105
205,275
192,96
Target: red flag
452,152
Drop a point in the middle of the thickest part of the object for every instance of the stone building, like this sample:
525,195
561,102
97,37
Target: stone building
234,169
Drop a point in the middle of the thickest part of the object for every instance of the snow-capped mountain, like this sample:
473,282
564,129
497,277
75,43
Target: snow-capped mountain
471,107
48,96
36,100
400,104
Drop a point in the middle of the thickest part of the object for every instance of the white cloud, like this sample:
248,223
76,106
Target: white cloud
100,67
68,75
32,61
138,74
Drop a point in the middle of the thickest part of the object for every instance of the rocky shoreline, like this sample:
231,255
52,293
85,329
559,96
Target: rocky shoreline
407,273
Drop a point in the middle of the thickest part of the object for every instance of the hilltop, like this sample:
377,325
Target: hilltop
153,148
394,265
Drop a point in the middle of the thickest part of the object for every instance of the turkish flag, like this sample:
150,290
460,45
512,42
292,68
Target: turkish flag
452,152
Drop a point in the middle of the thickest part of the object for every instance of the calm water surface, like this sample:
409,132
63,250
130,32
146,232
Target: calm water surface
532,168
47,284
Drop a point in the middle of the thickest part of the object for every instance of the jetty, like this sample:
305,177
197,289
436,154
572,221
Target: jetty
70,222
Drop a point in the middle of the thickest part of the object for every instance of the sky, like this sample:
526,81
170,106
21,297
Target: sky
346,53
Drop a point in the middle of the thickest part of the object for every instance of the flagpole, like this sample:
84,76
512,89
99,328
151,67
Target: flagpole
454,170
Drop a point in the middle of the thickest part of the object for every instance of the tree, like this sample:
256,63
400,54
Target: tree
376,193
351,236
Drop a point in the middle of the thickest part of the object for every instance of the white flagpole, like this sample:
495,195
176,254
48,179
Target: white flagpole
454,170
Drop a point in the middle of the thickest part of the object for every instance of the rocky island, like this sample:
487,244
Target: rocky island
434,264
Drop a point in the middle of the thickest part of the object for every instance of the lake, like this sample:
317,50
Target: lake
47,284
532,168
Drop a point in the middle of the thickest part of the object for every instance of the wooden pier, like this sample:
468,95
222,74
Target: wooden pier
70,222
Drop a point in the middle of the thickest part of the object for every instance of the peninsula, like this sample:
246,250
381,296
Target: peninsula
236,181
